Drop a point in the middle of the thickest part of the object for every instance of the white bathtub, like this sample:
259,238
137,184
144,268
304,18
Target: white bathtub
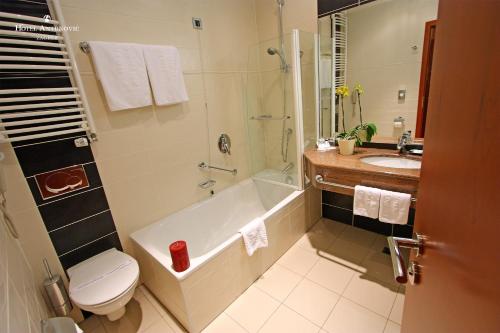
220,268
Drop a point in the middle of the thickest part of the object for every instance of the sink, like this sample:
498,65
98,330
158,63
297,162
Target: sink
392,162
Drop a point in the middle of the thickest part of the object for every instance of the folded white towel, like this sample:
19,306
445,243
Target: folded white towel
254,235
165,74
122,71
394,207
366,201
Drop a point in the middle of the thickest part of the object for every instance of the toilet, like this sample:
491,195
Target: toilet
104,283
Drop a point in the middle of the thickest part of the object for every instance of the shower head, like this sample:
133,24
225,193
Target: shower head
272,51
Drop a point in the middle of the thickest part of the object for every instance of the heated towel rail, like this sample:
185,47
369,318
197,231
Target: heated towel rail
34,48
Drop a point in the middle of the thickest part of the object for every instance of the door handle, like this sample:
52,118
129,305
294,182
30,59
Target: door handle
398,264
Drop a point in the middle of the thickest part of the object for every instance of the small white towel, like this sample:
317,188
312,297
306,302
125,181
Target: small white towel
366,201
122,71
394,207
165,74
254,235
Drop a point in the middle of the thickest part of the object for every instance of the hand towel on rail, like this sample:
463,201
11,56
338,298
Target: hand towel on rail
122,71
394,207
164,68
254,235
366,201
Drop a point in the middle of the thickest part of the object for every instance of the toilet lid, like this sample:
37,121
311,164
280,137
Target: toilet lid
102,278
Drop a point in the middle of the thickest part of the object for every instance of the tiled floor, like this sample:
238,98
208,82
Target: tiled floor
334,279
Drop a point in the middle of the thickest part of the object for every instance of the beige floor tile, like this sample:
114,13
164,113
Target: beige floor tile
160,326
353,252
278,282
359,236
140,315
392,327
349,317
331,275
397,310
286,320
321,236
375,295
298,260
222,324
379,266
164,313
90,324
252,309
312,301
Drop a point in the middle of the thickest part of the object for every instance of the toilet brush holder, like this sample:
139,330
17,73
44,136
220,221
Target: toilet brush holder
56,292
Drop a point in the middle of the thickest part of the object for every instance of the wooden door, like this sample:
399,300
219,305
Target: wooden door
458,205
425,77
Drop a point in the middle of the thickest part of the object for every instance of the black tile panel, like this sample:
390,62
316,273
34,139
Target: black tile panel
337,199
62,212
373,225
49,156
90,250
337,214
403,231
92,176
83,232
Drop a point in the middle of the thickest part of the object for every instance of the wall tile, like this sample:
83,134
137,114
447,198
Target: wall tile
86,231
337,214
337,199
372,225
85,252
49,156
59,213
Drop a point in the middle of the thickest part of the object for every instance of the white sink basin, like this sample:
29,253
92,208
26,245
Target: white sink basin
392,162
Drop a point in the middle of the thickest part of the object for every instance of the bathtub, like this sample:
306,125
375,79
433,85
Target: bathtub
220,267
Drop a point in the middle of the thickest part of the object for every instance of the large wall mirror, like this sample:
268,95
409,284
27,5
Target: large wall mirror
385,48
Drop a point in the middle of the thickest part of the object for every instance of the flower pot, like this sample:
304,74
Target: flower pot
346,147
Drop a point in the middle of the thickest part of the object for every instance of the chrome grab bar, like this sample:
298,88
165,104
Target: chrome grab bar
398,264
319,179
204,166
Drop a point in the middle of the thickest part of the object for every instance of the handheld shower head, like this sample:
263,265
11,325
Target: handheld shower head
273,51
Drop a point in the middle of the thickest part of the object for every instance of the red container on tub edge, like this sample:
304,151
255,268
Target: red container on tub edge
180,256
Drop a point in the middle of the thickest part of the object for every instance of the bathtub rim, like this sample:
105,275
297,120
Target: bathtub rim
205,258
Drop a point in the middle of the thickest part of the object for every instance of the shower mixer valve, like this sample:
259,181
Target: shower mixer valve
225,144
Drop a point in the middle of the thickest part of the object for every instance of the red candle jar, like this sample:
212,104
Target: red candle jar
180,256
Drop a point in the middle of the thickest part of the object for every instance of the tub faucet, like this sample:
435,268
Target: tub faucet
403,141
287,168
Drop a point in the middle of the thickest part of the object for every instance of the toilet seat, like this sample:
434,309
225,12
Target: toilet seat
102,278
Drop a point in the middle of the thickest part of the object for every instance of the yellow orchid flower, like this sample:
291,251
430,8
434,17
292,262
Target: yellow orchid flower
342,91
359,89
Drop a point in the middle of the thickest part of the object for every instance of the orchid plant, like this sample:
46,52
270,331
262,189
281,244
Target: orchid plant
370,128
342,91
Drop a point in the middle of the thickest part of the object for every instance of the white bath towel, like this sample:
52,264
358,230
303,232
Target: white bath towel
165,74
122,71
366,201
254,235
394,207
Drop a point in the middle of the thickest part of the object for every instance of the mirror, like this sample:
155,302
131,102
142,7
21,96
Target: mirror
386,47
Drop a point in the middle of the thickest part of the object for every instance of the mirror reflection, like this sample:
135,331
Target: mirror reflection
375,64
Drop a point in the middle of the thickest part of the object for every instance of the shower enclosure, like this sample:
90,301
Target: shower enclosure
281,106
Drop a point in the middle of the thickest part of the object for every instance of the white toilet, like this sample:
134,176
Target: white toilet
105,283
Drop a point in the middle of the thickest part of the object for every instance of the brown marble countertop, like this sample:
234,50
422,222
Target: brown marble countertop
331,159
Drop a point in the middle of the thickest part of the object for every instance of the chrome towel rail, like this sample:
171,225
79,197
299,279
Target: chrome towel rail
205,166
319,179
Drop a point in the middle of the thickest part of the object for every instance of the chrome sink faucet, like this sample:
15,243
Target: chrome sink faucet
403,141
